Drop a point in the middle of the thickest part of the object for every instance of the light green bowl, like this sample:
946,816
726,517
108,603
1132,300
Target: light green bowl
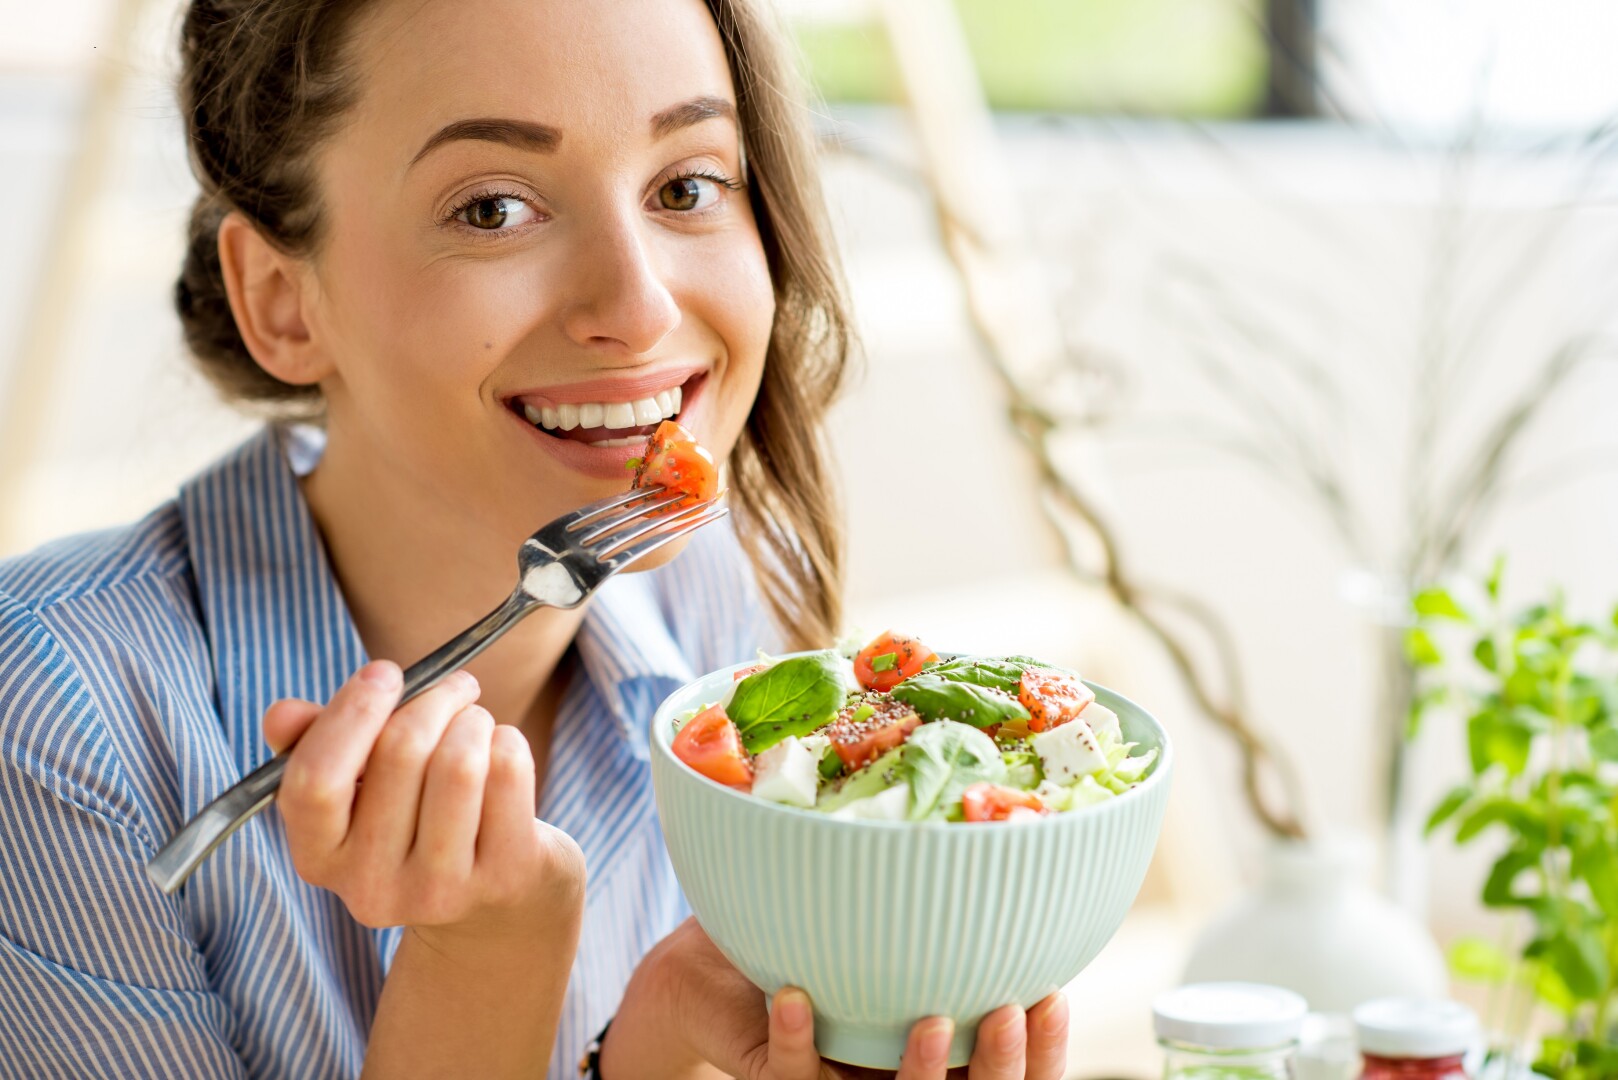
884,923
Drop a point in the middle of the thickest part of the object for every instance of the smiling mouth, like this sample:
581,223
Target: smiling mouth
607,424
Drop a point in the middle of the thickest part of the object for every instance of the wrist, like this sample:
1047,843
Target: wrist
646,1038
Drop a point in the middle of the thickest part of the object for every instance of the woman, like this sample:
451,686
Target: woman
484,242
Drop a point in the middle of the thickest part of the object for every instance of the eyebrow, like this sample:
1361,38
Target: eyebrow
522,134
687,113
544,139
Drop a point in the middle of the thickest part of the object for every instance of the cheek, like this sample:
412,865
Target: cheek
736,299
424,337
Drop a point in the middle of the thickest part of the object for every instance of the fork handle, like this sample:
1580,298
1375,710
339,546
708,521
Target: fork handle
186,850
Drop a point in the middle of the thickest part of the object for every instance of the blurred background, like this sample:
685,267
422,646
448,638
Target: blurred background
1237,324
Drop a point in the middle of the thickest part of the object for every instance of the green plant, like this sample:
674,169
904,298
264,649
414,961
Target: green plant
1539,691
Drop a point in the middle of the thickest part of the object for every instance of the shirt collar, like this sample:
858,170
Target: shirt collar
278,625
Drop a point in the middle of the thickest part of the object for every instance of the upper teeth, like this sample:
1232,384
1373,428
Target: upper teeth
607,414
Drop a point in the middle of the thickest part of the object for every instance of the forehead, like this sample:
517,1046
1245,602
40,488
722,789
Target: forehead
596,69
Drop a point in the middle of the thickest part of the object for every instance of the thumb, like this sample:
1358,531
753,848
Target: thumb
286,720
792,1037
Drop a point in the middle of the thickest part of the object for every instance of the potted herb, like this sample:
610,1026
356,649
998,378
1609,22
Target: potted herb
1538,690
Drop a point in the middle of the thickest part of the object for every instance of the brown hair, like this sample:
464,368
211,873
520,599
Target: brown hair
264,81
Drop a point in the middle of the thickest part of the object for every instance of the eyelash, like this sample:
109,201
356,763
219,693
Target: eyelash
701,174
462,205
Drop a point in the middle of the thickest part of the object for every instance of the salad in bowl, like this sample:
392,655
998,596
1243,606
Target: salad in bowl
903,834
893,732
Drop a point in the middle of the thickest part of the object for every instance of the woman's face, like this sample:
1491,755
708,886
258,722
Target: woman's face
536,247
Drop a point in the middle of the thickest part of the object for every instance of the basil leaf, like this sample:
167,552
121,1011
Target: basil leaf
794,697
997,672
943,759
937,697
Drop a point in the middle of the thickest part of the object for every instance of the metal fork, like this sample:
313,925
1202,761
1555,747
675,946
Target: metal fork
559,566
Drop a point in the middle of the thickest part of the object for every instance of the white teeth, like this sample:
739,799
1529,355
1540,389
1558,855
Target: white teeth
619,442
608,414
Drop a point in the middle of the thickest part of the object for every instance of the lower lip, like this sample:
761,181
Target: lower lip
603,462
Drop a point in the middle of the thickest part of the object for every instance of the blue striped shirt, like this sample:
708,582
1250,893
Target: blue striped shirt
135,665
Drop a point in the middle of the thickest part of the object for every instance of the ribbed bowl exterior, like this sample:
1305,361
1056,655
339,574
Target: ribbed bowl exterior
884,923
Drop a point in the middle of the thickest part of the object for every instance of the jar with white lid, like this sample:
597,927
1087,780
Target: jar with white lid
1228,1031
1413,1039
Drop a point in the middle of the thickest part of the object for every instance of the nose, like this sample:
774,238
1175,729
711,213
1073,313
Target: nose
621,299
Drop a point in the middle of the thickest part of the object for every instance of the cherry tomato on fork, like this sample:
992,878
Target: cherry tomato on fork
676,461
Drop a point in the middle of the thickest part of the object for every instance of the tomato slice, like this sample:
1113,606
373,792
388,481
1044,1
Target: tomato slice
1052,698
674,460
710,744
751,669
992,802
870,729
890,660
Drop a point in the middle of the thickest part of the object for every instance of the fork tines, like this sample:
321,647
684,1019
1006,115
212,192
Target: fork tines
670,529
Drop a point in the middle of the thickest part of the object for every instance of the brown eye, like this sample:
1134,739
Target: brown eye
497,213
487,213
682,194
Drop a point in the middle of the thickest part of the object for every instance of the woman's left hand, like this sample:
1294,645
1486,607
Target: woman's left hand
687,1003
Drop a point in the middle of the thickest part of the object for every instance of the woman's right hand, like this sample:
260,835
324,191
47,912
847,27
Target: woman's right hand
441,835
424,817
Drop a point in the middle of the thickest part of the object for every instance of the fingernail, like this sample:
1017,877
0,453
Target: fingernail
1011,1034
793,1005
1055,1020
381,674
935,1040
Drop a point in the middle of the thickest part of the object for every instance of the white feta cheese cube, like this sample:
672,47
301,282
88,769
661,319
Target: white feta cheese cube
1103,721
1069,752
816,744
892,804
786,773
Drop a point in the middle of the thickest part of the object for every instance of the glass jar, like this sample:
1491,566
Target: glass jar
1411,1039
1228,1031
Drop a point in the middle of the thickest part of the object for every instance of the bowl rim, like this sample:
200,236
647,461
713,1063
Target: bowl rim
660,742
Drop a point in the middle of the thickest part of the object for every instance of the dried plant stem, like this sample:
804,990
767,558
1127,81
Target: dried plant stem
1022,339
1034,427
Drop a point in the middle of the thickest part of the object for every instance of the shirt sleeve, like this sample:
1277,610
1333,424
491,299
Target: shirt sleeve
99,975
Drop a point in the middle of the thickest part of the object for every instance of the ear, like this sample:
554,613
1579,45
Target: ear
269,293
